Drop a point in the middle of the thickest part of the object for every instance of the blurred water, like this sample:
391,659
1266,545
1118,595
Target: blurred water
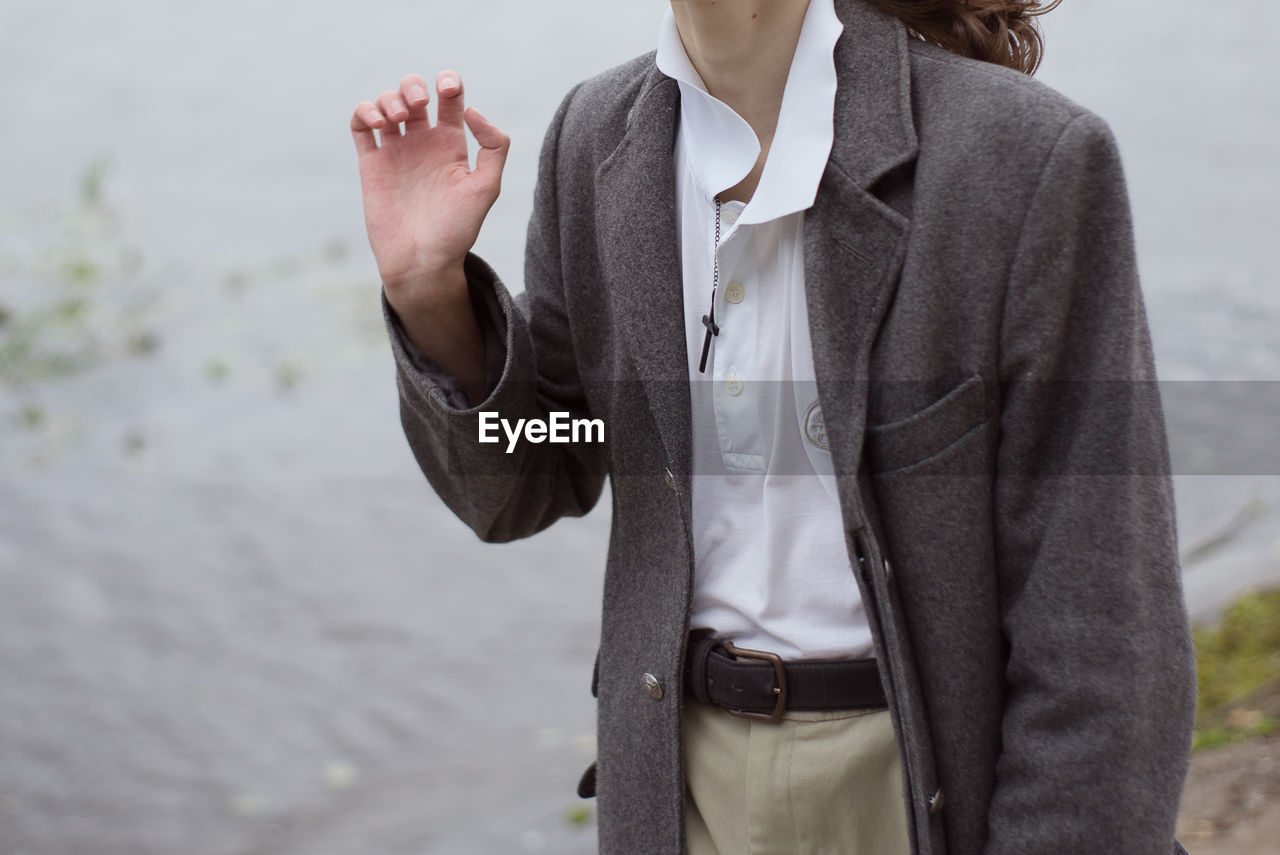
233,617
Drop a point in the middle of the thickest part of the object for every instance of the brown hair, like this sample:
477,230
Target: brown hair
999,31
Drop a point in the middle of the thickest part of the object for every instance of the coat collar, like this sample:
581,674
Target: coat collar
853,242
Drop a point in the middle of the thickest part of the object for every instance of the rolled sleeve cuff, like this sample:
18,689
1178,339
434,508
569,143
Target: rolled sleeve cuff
488,311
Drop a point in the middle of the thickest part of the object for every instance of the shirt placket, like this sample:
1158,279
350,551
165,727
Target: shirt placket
735,370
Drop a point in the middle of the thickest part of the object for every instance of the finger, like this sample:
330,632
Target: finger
393,108
416,95
449,110
363,121
494,145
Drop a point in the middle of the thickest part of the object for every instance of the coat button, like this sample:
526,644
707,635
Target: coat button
935,802
669,478
652,687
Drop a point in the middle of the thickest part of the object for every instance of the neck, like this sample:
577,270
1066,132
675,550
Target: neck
742,50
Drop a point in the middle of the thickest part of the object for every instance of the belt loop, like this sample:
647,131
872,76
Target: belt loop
701,643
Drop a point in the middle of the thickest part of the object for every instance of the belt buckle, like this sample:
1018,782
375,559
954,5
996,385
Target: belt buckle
779,690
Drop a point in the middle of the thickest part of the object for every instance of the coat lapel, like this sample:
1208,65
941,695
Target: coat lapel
636,219
854,243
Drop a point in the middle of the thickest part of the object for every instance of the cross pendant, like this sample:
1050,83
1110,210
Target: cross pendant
709,322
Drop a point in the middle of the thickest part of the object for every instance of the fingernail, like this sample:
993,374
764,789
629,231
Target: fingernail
417,93
449,83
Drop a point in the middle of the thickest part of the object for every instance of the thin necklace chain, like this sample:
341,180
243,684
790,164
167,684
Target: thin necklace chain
715,258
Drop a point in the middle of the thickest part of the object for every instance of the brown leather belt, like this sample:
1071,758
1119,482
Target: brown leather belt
767,687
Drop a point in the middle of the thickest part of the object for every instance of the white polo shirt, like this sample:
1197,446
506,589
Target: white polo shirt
771,568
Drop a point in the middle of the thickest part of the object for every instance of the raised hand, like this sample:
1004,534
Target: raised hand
423,204
423,207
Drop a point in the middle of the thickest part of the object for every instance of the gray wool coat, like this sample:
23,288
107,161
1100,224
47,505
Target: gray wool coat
986,378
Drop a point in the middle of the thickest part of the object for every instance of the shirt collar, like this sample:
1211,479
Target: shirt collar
721,147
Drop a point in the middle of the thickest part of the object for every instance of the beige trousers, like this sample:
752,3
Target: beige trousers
815,783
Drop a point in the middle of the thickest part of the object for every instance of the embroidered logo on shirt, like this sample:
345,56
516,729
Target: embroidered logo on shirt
815,429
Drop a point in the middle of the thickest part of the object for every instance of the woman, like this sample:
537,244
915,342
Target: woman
840,241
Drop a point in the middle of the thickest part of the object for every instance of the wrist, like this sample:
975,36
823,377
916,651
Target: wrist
427,293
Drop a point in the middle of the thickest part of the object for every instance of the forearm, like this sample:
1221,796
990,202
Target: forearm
445,330
501,492
1100,673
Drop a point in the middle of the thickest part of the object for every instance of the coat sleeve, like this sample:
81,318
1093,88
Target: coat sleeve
531,373
1100,670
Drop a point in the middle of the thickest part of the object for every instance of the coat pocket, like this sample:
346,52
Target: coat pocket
927,433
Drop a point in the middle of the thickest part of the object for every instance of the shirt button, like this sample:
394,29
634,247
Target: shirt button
734,293
733,385
652,687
